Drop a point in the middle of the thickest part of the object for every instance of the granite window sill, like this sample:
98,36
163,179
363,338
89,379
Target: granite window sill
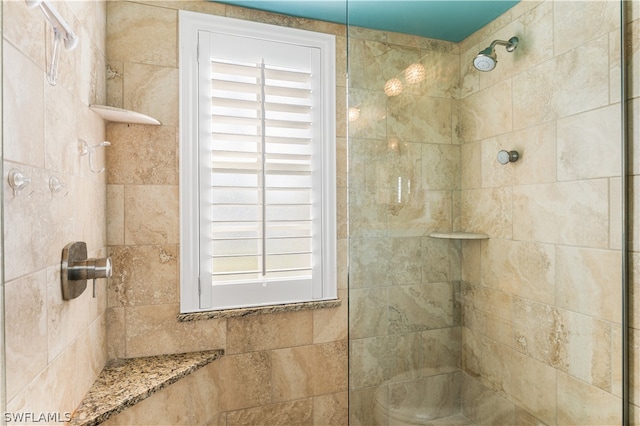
125,382
259,310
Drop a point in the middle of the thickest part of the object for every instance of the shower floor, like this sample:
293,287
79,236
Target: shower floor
455,420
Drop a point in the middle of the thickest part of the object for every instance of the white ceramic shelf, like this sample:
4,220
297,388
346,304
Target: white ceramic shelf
123,115
459,236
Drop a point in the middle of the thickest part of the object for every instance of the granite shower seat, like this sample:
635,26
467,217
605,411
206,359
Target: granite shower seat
125,382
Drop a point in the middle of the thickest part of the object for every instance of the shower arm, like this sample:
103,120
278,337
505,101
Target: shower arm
510,45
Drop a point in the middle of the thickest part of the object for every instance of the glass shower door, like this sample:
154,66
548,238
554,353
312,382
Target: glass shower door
481,292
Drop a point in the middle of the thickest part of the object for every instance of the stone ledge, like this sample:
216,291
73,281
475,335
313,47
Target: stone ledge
259,310
125,382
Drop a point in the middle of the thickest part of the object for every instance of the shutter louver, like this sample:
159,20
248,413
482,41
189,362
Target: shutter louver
261,172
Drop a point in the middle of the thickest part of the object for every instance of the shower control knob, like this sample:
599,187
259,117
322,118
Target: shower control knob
506,157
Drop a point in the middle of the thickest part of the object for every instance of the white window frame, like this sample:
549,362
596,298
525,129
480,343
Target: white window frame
195,295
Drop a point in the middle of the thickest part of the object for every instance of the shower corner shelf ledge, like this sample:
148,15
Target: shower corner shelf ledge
120,115
459,236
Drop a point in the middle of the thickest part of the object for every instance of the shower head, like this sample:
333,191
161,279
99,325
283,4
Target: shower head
487,59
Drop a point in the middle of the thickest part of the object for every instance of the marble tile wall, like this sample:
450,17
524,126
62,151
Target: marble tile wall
290,368
541,298
54,349
404,318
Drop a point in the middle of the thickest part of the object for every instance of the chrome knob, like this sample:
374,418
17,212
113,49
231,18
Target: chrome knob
506,157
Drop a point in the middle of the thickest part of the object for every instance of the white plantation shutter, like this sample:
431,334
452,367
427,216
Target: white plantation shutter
265,167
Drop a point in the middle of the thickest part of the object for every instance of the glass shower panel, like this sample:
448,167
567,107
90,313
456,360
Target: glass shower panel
513,315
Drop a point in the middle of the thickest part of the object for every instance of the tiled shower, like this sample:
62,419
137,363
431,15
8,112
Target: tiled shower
520,328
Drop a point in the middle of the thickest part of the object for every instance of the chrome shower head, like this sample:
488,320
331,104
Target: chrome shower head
487,59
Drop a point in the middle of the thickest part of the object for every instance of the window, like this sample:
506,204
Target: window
257,164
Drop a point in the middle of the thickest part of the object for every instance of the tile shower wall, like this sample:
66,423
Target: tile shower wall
290,364
54,348
541,298
403,177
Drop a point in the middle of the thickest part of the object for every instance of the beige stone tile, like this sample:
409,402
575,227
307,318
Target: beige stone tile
299,412
372,119
151,214
589,144
66,319
362,406
615,64
212,8
142,34
91,84
152,90
441,351
616,360
423,212
23,111
27,230
588,281
154,329
471,172
432,125
61,137
470,262
440,260
295,372
633,52
368,312
486,113
488,313
380,262
544,93
92,355
575,23
634,287
257,333
204,392
421,307
530,383
580,403
375,360
142,154
342,263
116,338
24,28
53,390
519,268
574,213
488,211
372,63
485,406
25,331
115,83
331,409
246,380
115,214
634,365
441,166
144,275
332,324
589,348
616,232
342,111
537,163
283,20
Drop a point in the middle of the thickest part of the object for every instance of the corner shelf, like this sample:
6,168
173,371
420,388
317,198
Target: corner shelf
120,115
459,236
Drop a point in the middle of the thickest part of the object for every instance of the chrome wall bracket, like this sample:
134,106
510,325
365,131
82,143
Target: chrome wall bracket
76,269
